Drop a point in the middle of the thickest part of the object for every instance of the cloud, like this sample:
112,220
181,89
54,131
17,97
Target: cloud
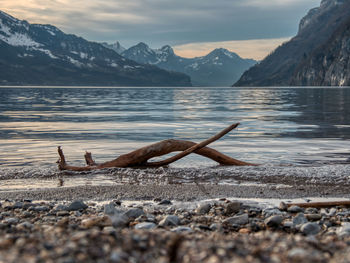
160,22
255,48
275,3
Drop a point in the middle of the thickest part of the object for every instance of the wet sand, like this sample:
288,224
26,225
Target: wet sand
183,192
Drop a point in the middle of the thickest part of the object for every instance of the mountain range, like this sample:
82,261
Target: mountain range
34,54
219,68
317,56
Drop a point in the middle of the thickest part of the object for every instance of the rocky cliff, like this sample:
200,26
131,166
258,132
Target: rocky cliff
328,65
318,55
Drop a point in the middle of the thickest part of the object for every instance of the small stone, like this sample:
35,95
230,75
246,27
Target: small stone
27,214
215,227
344,230
237,220
267,212
63,222
6,243
18,205
274,221
313,217
301,255
232,208
62,213
181,229
165,202
283,206
119,256
203,209
40,209
134,213
24,225
76,206
117,202
311,210
170,210
11,221
7,205
119,221
298,254
109,230
299,219
21,242
310,229
254,211
288,224
295,209
140,219
151,218
170,220
244,231
110,209
60,207
145,225
90,222
332,211
96,221
77,213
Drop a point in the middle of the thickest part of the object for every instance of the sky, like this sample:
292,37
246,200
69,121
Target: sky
251,28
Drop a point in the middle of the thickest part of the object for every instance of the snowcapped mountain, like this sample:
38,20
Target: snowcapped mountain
218,68
117,47
33,54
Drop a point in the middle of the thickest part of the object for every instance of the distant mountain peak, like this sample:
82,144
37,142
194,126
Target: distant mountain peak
116,46
220,49
219,68
7,16
167,49
327,3
142,45
223,52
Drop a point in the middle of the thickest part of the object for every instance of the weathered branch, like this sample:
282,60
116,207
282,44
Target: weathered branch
194,147
140,157
88,159
321,204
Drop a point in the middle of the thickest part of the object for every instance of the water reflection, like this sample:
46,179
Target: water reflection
295,125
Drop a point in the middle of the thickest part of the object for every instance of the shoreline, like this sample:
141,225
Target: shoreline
178,192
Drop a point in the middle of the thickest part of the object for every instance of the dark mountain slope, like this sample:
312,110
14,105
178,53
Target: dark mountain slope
315,29
328,65
32,54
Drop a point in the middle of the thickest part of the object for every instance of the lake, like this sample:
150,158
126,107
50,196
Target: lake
303,132
279,126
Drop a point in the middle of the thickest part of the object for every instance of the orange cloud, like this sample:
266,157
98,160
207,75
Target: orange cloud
256,48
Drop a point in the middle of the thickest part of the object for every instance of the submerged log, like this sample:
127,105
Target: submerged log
140,157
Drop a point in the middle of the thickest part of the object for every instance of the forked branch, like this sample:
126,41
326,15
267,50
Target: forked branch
140,157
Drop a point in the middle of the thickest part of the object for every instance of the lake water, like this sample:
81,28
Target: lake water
279,126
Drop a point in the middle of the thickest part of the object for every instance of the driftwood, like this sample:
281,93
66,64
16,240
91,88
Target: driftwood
321,204
140,157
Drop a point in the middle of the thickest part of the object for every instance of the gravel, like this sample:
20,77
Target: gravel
149,232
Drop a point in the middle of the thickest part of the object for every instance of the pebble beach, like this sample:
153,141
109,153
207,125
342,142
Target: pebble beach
172,223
